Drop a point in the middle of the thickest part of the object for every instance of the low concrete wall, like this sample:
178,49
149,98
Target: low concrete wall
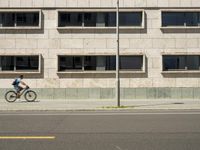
109,93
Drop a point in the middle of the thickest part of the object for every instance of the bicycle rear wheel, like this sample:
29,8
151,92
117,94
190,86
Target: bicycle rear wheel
30,96
11,96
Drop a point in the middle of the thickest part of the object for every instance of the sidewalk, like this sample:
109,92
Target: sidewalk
47,105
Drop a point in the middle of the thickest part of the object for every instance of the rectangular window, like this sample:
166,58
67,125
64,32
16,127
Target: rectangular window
99,63
20,63
90,63
99,19
7,19
7,63
131,62
27,19
70,19
70,63
27,63
110,63
130,19
180,19
19,19
90,19
183,62
110,19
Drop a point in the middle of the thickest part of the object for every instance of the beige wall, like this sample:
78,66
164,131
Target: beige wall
99,3
152,41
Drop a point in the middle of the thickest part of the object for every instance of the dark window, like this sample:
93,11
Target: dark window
90,63
192,19
174,62
27,19
27,63
70,19
110,19
110,63
70,63
192,62
173,19
100,63
181,63
131,62
7,19
180,19
90,19
13,19
7,63
99,19
130,18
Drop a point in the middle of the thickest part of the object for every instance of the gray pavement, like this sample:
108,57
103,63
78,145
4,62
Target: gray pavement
48,105
115,130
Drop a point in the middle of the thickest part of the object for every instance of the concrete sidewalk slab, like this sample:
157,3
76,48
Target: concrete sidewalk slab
47,105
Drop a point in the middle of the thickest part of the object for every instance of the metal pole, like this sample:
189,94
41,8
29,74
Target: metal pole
117,58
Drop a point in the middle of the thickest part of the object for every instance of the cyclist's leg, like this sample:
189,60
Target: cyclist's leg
18,90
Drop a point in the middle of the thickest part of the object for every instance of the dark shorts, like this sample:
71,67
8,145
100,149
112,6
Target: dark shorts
18,88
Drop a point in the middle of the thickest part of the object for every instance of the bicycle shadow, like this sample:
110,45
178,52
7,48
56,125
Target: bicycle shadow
24,101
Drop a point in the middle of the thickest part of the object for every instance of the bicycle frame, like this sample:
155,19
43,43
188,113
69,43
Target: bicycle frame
23,91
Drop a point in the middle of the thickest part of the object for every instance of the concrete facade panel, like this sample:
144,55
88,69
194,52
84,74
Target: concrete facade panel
21,43
7,43
38,3
101,3
151,41
26,3
4,3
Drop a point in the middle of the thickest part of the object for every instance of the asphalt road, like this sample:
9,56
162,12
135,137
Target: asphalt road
100,130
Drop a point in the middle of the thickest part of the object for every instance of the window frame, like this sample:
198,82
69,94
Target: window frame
181,71
99,11
21,71
22,11
178,10
143,69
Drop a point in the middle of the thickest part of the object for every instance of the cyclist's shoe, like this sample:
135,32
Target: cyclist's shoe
27,87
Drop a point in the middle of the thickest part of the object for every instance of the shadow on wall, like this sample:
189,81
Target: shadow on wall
101,75
101,31
181,75
183,31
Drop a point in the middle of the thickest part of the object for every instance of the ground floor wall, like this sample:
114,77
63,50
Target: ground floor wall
109,93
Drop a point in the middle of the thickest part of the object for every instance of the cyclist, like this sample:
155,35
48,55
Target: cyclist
17,85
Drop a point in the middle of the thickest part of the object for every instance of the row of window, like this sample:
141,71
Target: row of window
98,19
98,63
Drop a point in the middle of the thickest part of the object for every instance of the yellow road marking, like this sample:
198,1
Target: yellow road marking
27,137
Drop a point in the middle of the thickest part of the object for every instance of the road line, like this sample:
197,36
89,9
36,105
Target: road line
27,137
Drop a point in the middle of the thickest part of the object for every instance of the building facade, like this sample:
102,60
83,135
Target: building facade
66,48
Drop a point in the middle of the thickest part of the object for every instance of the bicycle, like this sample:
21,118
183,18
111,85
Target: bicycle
29,95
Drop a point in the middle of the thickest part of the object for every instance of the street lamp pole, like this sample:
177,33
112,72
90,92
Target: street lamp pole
117,57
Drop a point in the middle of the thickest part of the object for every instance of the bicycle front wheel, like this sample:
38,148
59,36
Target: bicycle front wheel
11,96
30,96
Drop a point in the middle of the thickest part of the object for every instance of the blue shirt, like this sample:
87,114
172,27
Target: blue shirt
18,80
